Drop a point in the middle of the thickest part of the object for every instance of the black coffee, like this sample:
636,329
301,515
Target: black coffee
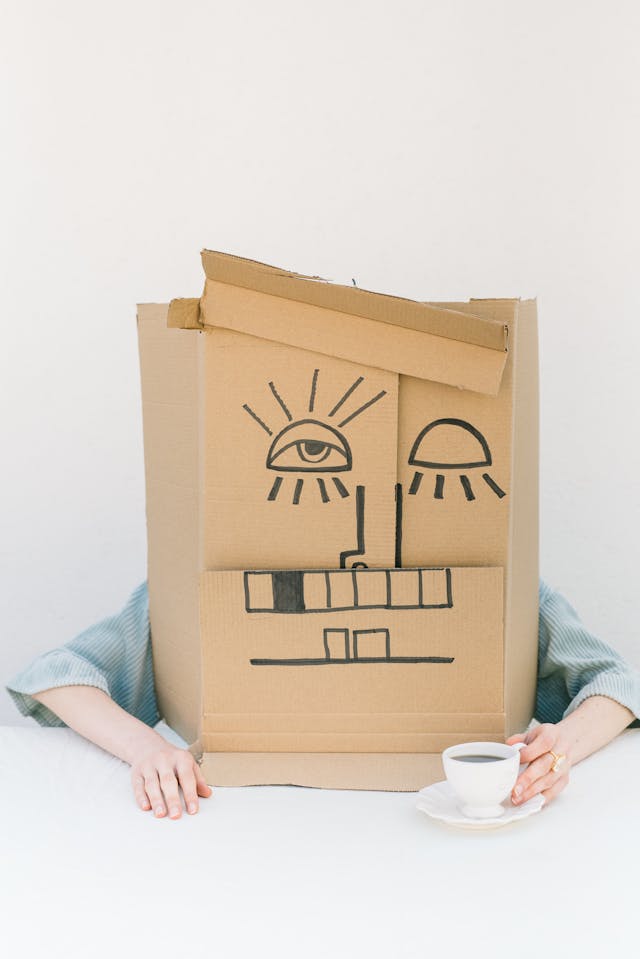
478,759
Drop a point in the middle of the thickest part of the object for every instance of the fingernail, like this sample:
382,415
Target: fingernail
175,812
159,811
192,807
517,790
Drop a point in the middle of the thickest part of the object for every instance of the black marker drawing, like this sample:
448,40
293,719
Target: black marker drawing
297,492
360,548
339,644
273,492
466,485
346,396
348,649
415,483
430,452
342,489
324,496
312,396
329,591
494,486
280,401
264,426
398,547
309,445
341,590
365,406
360,652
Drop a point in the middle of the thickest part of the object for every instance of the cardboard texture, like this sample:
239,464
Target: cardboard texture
342,518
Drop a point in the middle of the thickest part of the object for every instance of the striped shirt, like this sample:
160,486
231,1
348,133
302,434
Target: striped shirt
115,655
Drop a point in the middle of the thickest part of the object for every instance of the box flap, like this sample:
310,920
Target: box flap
184,314
316,291
428,341
381,345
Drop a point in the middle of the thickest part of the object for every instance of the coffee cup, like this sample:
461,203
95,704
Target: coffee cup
482,775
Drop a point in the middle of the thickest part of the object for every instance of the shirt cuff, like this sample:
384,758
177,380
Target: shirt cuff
60,667
623,688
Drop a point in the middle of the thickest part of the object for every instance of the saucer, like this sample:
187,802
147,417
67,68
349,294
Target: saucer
440,802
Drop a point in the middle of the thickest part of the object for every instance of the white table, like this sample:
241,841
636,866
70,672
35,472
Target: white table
287,871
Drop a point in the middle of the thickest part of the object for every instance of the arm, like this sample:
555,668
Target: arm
593,724
101,685
157,767
587,694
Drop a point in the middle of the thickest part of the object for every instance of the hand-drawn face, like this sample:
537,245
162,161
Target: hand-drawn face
310,446
451,444
317,450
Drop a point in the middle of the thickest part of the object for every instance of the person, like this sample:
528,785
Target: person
101,685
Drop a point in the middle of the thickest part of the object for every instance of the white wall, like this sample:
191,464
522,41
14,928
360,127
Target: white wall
431,149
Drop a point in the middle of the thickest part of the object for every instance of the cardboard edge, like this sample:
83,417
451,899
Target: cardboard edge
174,556
380,772
521,596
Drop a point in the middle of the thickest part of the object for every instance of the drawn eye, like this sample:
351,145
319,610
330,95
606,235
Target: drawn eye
307,446
451,444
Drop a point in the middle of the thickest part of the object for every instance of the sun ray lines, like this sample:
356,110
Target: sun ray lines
362,408
312,397
346,395
255,416
280,401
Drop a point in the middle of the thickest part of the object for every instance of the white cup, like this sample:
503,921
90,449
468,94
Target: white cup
482,784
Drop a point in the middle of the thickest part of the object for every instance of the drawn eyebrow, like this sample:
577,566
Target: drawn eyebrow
346,395
255,416
362,408
280,401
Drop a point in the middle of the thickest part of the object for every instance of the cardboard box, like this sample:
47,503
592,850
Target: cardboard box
342,521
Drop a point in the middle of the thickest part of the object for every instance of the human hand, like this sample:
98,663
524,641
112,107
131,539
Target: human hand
538,776
161,773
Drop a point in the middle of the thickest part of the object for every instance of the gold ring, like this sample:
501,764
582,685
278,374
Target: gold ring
558,761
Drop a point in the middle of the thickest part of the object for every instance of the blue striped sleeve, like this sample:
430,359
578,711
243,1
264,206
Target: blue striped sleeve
573,664
114,655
